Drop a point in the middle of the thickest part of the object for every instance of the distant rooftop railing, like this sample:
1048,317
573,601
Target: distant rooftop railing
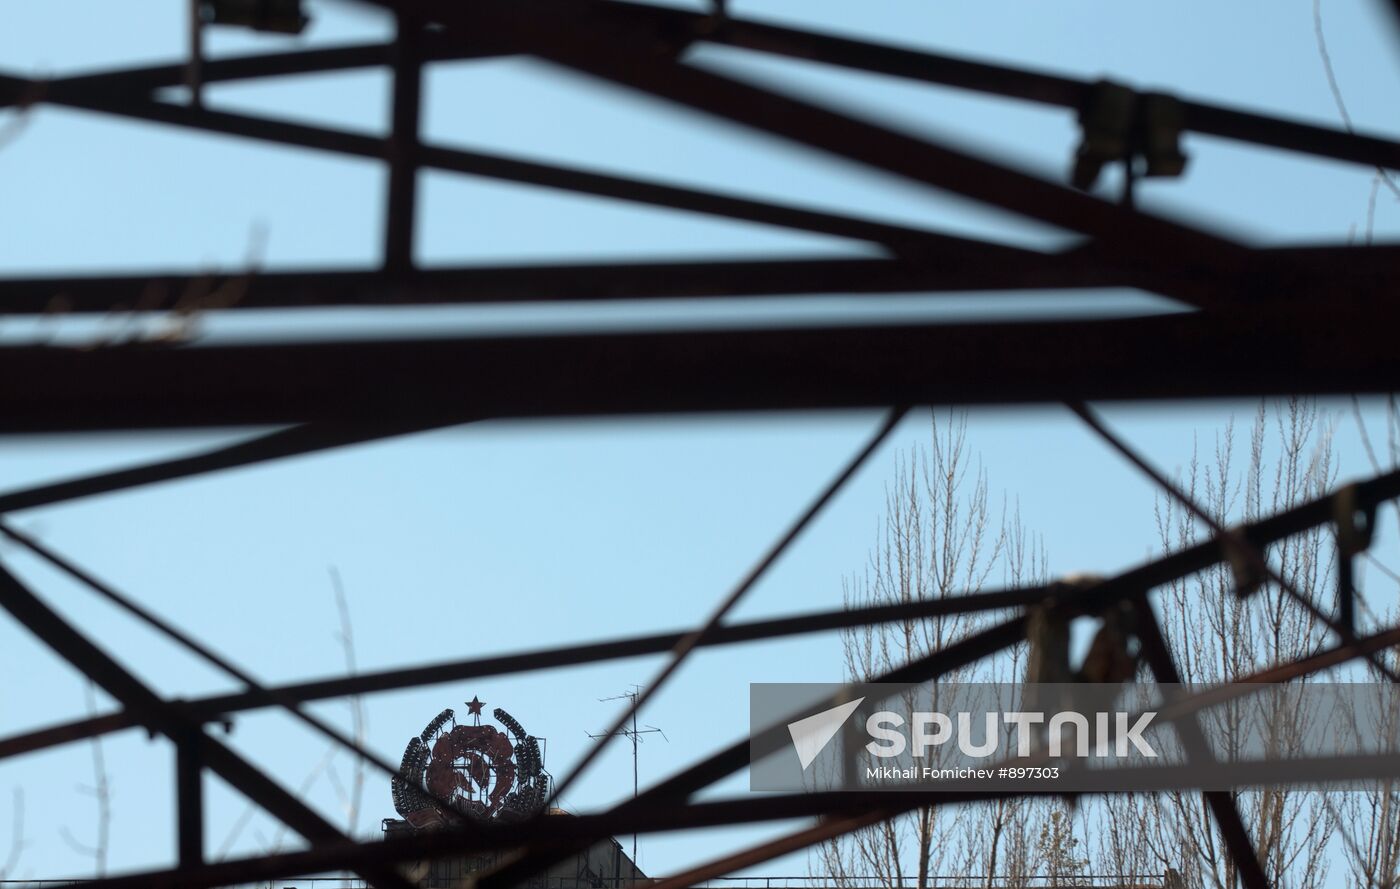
1034,881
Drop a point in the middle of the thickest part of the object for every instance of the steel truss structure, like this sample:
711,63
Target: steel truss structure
1314,320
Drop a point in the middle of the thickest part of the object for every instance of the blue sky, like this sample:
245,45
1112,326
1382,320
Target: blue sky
506,536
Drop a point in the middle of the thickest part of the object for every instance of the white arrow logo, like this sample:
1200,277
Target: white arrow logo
811,735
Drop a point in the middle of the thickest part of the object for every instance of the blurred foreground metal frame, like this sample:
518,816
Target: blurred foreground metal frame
1316,320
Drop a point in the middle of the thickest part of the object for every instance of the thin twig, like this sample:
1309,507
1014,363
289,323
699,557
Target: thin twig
101,792
1337,89
357,708
253,808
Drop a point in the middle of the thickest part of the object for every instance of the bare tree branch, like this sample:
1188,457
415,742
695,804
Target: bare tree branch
940,535
1217,635
359,726
101,791
1336,88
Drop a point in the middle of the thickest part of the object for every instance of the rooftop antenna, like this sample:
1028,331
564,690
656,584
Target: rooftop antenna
635,735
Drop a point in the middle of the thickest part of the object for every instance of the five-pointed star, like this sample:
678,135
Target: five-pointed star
474,706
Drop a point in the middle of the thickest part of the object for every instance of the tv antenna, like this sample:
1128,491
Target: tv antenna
635,735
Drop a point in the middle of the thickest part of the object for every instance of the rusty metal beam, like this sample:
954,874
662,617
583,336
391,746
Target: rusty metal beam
953,267
189,799
1002,80
140,82
1157,654
932,263
404,146
290,442
1302,351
